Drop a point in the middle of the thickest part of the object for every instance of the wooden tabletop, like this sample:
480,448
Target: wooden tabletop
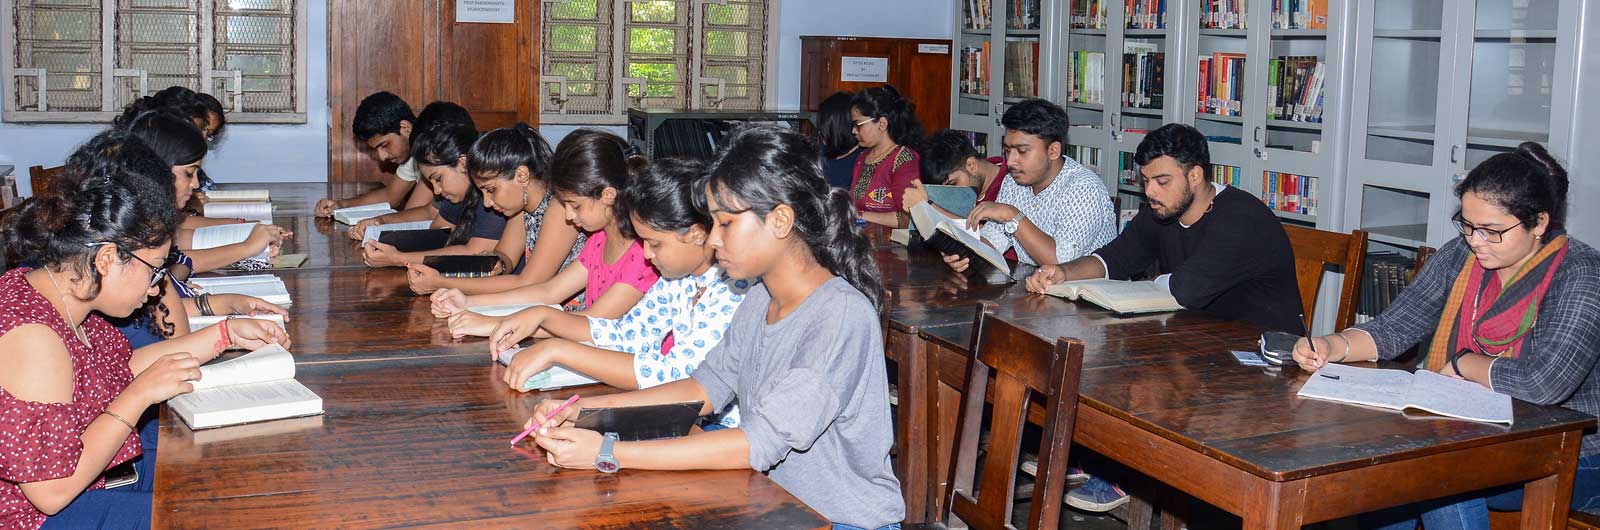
416,432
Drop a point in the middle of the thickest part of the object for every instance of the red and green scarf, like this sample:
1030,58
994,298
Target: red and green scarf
1487,317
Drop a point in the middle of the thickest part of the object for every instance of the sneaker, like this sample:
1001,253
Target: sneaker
1096,496
1030,465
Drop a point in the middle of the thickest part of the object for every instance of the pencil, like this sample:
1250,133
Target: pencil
536,425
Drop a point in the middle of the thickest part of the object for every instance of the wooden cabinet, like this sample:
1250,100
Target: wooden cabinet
919,68
415,49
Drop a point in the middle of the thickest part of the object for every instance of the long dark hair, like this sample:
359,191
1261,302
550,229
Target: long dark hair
886,102
115,191
588,161
762,167
667,195
1525,182
444,144
498,154
173,137
834,125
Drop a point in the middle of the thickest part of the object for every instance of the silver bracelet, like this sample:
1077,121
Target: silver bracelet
1346,347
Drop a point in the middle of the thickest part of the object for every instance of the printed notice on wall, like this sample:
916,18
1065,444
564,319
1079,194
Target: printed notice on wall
487,11
864,69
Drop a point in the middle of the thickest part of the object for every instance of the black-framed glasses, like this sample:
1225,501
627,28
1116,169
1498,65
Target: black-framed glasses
156,273
1487,234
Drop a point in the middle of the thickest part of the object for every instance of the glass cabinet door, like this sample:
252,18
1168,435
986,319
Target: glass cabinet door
1513,76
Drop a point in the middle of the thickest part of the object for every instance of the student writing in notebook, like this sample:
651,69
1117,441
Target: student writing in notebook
71,388
511,167
949,159
667,334
1216,248
384,123
803,355
1513,305
440,153
886,126
1051,209
589,170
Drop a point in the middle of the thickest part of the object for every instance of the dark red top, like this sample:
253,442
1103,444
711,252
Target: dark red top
879,187
43,441
993,193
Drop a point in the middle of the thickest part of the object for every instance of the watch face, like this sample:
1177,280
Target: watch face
606,466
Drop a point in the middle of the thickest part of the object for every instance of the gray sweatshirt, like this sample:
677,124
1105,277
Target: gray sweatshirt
814,396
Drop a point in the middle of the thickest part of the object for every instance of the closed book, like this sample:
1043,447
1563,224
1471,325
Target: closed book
474,266
647,422
957,200
416,240
257,386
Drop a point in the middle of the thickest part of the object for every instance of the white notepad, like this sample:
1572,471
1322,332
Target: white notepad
257,386
1399,390
237,196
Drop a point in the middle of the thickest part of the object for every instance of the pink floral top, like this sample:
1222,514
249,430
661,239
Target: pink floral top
43,441
632,269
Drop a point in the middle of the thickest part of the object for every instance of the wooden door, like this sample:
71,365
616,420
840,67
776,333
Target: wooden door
415,49
918,68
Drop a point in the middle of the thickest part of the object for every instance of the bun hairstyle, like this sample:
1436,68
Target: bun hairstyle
116,190
444,143
886,102
191,105
668,195
762,167
588,161
498,154
171,136
1525,182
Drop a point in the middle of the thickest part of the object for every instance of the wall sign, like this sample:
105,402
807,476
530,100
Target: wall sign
487,11
864,69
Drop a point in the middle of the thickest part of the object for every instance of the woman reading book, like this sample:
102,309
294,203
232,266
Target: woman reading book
667,334
440,152
589,170
71,388
885,124
1513,305
803,355
511,167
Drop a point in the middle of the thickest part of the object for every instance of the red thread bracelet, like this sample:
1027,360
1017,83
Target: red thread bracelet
224,342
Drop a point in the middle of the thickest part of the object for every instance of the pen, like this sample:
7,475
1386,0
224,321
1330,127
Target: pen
536,425
1333,377
1309,342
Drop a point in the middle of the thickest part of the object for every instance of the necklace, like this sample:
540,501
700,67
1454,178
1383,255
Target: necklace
72,319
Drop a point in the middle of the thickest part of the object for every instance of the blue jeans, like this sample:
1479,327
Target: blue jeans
1471,511
842,526
127,507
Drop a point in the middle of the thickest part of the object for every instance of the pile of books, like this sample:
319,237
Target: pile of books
1088,14
1086,77
975,70
1385,275
1146,14
1226,175
1300,14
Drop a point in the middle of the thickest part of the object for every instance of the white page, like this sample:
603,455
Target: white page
270,363
210,281
259,211
197,323
237,195
556,376
232,405
274,292
971,238
222,235
373,231
504,309
356,214
1459,398
1366,386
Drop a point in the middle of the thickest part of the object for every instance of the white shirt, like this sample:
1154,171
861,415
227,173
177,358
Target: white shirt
1075,209
408,171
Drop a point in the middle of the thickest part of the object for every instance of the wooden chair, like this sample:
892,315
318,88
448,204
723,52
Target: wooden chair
1021,366
1315,249
1423,253
44,179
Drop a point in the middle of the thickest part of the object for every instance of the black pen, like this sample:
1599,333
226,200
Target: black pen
1309,342
1330,376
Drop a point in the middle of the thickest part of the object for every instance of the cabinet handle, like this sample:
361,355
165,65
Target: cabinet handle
1455,154
1258,134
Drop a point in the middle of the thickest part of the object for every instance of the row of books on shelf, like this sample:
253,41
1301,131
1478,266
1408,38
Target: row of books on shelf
1300,14
1142,75
1222,87
1287,192
1140,14
1127,170
1222,14
1226,175
975,70
1020,14
1086,76
1385,275
1087,156
1022,69
1294,89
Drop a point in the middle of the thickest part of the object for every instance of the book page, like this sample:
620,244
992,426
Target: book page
1457,398
213,281
356,214
275,291
260,211
925,219
236,404
373,231
237,195
504,309
197,323
957,228
1128,297
222,235
270,363
1367,386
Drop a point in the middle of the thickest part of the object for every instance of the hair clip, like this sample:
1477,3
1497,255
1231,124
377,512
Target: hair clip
632,151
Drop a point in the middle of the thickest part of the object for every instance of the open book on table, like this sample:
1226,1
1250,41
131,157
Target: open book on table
356,214
260,211
264,286
238,196
373,232
257,386
951,236
1117,295
502,310
223,235
1399,390
197,323
552,378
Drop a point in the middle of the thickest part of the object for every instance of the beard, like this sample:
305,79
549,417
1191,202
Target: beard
1183,206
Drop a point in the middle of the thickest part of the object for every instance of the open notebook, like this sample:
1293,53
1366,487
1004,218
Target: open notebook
255,211
356,214
951,236
264,286
1399,390
257,386
223,235
1117,295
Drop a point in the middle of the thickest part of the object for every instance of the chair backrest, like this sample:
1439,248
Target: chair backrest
1423,253
44,179
1315,249
1021,366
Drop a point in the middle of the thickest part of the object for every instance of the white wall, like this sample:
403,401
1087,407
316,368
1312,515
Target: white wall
253,153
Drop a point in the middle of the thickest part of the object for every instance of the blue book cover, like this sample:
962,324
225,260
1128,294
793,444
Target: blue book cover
957,200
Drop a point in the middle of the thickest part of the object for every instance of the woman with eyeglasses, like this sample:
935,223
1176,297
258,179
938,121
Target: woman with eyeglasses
71,388
1513,305
885,124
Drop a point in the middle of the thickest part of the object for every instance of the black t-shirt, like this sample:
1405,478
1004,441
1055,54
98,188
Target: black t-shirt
487,225
1235,262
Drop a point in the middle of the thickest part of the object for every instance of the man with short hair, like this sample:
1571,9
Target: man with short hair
384,123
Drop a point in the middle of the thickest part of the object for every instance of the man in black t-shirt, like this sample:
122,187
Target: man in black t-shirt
1216,249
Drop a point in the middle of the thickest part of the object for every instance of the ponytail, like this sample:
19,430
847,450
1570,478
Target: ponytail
886,102
762,167
1525,182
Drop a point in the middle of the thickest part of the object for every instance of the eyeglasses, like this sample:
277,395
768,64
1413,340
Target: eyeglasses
156,273
863,121
1489,235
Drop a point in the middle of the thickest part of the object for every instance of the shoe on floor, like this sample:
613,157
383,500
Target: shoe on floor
1030,465
1096,496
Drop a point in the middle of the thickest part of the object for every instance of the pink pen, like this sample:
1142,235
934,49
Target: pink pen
553,413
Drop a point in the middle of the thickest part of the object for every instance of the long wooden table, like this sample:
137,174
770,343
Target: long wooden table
416,430
1162,395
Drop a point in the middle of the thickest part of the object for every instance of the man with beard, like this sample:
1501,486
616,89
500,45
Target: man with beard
1217,249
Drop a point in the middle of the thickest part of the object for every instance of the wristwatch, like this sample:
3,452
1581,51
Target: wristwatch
605,461
1011,226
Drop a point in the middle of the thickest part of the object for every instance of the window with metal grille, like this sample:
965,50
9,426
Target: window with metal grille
83,60
601,57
